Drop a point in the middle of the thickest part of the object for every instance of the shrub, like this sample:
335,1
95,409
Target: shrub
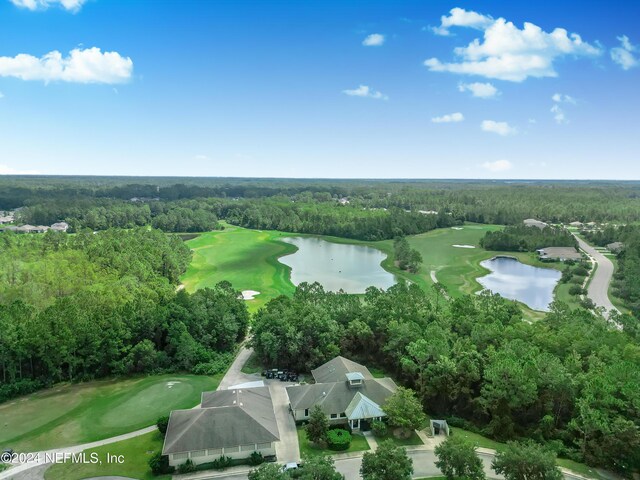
163,423
338,439
187,467
222,463
160,464
379,428
256,458
580,271
575,290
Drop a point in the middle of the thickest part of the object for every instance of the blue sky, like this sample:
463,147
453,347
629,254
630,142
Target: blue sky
376,89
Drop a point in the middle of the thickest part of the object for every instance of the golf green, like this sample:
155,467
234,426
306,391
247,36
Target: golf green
73,414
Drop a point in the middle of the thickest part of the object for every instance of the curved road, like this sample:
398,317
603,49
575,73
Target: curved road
598,290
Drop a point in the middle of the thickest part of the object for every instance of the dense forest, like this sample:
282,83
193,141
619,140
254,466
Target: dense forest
569,381
364,209
523,238
77,307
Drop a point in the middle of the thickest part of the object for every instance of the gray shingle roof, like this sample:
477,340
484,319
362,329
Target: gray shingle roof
336,369
228,418
336,397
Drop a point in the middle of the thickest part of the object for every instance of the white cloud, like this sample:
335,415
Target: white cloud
497,166
558,112
480,90
365,91
501,128
7,170
71,5
80,66
509,53
560,98
459,17
623,55
449,118
374,40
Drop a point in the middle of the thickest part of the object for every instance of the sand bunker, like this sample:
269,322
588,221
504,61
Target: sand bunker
463,246
171,384
456,228
249,294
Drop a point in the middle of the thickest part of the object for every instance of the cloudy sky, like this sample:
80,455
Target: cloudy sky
375,89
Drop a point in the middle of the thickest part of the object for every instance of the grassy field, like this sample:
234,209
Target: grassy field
74,414
135,452
246,258
358,444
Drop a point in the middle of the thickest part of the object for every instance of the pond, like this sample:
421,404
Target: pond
336,266
532,286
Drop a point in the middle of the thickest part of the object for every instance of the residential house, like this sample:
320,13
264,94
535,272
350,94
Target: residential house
234,423
60,226
345,391
559,253
532,222
576,224
615,247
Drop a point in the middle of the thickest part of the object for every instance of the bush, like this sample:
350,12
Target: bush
222,463
163,423
580,271
256,458
379,428
338,439
577,280
575,290
160,464
187,467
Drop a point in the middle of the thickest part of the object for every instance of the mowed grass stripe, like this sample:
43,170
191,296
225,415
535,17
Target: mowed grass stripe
73,414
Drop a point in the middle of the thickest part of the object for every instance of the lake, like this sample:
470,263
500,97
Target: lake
532,286
336,266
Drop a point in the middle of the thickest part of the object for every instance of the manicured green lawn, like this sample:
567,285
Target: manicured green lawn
135,453
358,444
72,414
411,440
246,258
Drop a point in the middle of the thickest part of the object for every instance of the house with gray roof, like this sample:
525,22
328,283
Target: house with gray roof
532,222
345,391
234,423
559,253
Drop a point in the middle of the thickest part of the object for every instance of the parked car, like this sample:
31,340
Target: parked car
291,466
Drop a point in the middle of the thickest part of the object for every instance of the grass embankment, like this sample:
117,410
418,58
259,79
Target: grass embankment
74,414
358,444
134,452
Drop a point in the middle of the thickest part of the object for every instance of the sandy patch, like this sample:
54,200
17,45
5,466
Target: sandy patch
171,384
456,228
180,287
463,246
249,294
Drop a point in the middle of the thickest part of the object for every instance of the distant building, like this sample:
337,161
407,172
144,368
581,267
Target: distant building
345,391
532,222
234,423
428,212
559,253
343,201
6,219
60,226
615,247
576,224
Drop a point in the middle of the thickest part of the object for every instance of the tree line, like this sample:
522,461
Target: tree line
521,238
78,307
569,381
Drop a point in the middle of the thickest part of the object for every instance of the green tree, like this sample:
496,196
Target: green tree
162,424
318,425
319,468
526,461
267,471
457,458
404,410
388,462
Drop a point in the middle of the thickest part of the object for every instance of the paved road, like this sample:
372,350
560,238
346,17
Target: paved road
599,286
234,375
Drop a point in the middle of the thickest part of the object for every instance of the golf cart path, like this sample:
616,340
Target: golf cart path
598,290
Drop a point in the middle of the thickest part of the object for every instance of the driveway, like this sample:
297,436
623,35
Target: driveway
287,449
234,375
598,289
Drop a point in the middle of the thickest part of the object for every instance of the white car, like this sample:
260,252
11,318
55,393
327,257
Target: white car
290,466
